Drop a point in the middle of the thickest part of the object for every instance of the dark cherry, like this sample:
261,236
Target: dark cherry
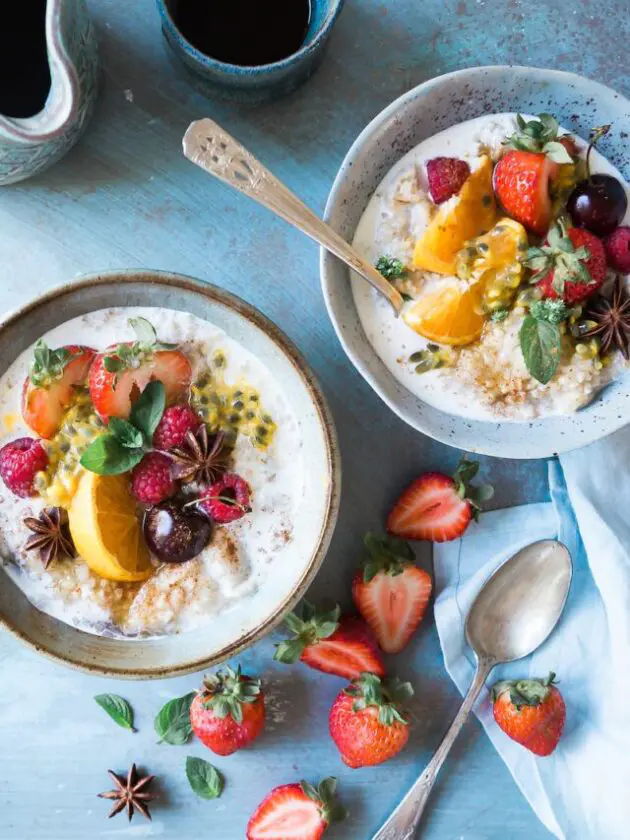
599,204
176,534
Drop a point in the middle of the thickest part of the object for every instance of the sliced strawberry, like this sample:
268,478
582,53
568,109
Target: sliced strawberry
50,387
296,812
390,592
446,177
344,647
521,183
437,507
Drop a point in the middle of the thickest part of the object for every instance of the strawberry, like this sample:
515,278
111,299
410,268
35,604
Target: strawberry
122,372
390,592
530,712
366,721
521,183
437,507
570,266
229,711
49,389
296,812
344,647
446,177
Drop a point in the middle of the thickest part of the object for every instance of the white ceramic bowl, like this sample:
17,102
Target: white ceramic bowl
433,106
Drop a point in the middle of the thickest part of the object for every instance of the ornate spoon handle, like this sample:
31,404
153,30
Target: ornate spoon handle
213,149
403,822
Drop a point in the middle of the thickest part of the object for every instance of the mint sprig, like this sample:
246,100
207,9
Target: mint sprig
390,267
118,709
172,722
541,340
204,779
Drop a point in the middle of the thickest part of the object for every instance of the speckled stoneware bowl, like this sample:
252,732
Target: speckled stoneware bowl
579,104
247,622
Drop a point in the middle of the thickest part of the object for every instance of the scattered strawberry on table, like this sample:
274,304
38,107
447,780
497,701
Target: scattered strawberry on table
390,592
531,712
296,812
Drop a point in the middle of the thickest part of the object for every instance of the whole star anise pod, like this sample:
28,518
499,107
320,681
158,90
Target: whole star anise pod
51,535
201,457
612,317
130,793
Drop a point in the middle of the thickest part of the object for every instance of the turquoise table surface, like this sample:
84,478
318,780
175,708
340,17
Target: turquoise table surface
126,197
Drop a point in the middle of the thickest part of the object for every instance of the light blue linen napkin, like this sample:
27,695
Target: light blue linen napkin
581,791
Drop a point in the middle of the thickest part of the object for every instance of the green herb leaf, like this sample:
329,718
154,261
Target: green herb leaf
107,456
554,311
118,709
113,364
148,409
390,267
172,722
540,346
125,433
499,315
204,779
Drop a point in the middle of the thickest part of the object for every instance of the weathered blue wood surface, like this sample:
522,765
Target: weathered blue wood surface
126,197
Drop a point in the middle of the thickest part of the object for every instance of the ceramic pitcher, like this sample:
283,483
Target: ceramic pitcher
33,143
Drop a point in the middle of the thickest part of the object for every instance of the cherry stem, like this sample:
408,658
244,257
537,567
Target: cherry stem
224,499
596,134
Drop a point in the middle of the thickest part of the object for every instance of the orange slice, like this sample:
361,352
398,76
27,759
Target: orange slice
449,315
473,213
106,529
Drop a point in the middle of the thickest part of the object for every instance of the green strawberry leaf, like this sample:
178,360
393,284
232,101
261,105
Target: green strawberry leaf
172,722
108,456
118,709
148,409
204,779
540,346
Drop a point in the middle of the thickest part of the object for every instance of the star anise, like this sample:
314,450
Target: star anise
130,793
201,457
612,317
51,535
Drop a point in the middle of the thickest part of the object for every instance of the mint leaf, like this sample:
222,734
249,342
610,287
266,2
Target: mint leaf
172,722
118,709
107,456
204,779
148,409
125,433
540,346
390,267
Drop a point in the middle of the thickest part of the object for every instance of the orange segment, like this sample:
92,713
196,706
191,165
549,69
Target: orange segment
473,213
448,316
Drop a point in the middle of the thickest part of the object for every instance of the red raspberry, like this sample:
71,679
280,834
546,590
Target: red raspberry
617,246
151,479
175,422
446,177
227,499
19,461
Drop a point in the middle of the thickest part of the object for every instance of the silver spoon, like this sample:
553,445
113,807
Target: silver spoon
213,149
512,615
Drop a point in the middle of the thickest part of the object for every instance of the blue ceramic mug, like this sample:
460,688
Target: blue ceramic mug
263,82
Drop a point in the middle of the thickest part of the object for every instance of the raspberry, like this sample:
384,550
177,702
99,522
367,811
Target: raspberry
617,246
173,426
446,177
19,461
151,479
227,499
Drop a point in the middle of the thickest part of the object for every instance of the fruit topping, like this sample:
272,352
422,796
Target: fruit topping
599,202
51,385
439,507
433,357
229,711
176,533
530,712
176,422
367,722
446,177
571,265
494,259
296,812
200,457
541,135
617,245
521,183
448,315
105,528
473,213
344,647
390,592
20,461
227,500
130,793
608,319
541,339
50,535
119,375
152,480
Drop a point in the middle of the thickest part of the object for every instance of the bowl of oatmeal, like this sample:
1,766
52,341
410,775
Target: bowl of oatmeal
169,474
477,196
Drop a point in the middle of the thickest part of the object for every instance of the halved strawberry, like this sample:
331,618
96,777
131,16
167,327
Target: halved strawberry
521,183
49,389
344,647
296,812
390,592
439,507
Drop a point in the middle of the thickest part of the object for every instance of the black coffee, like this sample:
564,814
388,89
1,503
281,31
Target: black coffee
244,32
24,71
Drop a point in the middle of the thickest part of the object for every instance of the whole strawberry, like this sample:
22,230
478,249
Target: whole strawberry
296,812
229,711
531,712
20,461
570,266
390,592
174,424
344,646
152,480
366,721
